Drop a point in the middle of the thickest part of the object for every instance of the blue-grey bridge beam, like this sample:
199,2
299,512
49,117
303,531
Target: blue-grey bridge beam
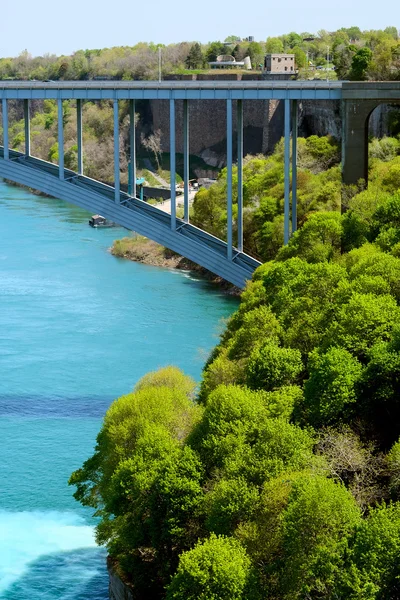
240,175
294,164
286,219
229,155
172,163
186,161
4,108
27,128
181,237
117,191
147,220
60,138
79,136
132,150
177,90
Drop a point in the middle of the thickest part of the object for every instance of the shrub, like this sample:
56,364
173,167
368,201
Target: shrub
216,569
330,391
271,367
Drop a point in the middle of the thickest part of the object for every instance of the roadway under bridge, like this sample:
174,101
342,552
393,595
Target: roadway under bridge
225,257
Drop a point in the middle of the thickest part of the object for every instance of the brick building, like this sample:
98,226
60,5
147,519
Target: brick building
280,64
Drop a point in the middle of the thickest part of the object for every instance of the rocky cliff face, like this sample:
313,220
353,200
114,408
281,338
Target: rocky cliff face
320,118
117,589
263,124
207,126
379,119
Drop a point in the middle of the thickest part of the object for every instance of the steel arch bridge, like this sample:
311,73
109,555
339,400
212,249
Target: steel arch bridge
225,258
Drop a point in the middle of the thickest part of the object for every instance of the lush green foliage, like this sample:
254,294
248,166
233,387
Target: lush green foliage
217,569
319,188
280,477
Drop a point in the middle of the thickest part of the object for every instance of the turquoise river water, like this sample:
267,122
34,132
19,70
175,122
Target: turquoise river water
78,328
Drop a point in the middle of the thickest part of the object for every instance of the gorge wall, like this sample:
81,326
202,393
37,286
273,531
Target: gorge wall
263,124
117,589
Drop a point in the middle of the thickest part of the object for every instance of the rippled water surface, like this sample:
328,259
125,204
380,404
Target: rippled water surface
78,328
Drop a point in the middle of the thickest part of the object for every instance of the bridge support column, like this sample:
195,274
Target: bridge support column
4,107
294,164
172,163
186,161
132,150
27,127
60,139
229,176
117,193
286,220
355,139
240,175
79,135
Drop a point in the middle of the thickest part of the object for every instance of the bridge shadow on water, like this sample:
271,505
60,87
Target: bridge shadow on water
54,406
76,575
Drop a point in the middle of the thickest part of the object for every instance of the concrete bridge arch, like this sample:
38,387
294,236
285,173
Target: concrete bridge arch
359,102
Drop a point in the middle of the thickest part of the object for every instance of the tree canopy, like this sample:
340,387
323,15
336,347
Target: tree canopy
279,477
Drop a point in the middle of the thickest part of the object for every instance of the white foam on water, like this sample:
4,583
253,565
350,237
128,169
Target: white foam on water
26,536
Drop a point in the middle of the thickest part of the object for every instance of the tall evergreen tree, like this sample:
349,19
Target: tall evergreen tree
194,59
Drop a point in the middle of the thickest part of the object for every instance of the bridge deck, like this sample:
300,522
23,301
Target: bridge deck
132,213
216,255
176,90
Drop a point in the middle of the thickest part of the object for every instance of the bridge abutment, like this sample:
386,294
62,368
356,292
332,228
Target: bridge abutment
355,139
359,99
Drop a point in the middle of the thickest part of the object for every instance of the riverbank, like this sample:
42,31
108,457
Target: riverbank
141,249
79,328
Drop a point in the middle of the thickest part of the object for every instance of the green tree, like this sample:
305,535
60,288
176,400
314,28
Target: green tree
330,391
362,322
360,64
274,45
300,57
237,438
256,54
372,571
319,240
233,39
194,59
216,569
214,49
319,518
142,480
270,367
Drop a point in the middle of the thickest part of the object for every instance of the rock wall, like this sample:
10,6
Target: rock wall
207,126
320,118
379,119
263,123
117,589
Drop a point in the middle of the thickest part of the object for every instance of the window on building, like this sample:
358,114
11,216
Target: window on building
285,68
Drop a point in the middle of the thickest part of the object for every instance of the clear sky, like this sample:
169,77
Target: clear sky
54,27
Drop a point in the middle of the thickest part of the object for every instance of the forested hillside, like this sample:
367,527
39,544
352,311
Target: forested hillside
356,54
98,132
279,477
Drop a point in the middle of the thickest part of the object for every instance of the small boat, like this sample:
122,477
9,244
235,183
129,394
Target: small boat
99,221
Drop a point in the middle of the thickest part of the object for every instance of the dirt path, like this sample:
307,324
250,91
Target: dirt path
166,205
149,167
